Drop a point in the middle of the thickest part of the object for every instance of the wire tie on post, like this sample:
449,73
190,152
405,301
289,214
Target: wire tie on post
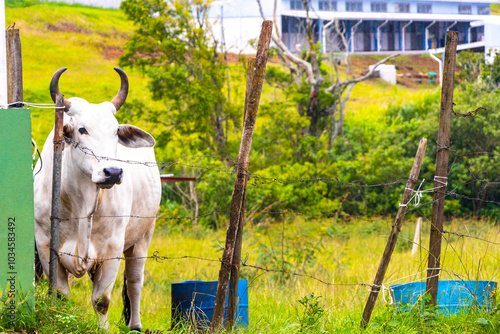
418,195
445,183
439,147
384,289
375,286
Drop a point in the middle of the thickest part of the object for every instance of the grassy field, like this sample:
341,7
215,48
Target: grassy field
332,251
88,41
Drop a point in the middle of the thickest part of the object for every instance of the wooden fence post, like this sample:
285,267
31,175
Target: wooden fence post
441,176
238,198
416,238
14,68
56,195
393,237
3,57
235,269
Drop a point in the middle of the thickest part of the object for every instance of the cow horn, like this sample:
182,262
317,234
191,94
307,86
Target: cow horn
54,88
121,96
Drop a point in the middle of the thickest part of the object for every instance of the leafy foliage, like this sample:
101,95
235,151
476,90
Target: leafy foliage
311,314
20,3
172,47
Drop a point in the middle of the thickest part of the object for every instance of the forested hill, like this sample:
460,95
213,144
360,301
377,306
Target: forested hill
383,123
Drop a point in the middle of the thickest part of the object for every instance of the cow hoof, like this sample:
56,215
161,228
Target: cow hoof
137,329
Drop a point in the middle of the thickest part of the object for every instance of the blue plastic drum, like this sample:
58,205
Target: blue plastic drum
194,301
454,296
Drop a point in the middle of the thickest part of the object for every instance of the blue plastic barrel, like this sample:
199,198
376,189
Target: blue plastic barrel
194,301
454,296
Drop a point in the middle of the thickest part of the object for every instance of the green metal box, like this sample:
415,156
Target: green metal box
17,235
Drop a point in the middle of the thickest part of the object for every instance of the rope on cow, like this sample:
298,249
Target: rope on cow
34,157
20,104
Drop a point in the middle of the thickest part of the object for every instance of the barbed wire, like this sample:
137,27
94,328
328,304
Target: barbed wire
464,154
258,179
160,164
146,217
283,213
471,237
454,194
331,214
323,179
159,258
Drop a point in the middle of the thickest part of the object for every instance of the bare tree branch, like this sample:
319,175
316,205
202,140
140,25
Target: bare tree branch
293,58
364,77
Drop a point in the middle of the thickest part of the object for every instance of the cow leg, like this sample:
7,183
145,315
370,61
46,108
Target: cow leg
134,276
62,285
103,279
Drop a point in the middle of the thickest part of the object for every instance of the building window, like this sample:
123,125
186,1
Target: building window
465,9
327,5
379,7
402,7
483,10
424,8
354,6
296,4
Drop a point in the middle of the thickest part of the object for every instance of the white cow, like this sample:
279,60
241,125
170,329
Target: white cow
103,198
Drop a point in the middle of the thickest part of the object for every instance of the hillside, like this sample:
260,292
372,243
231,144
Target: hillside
89,41
85,40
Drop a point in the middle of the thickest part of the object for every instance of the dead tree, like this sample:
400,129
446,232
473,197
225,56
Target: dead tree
310,68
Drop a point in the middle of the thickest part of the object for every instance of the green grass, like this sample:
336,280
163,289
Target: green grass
51,316
349,253
334,252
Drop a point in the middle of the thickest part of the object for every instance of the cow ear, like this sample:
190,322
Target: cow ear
133,137
68,131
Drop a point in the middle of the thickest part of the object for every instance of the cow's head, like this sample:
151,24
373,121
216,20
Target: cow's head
94,133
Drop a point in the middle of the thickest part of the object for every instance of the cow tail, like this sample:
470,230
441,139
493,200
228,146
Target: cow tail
38,266
126,302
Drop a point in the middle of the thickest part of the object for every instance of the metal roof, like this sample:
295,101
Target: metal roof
392,16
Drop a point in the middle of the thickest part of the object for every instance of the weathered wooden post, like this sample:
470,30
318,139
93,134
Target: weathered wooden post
238,198
56,194
14,67
3,57
416,237
393,237
441,176
235,269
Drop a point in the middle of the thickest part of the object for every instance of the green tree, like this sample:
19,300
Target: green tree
173,47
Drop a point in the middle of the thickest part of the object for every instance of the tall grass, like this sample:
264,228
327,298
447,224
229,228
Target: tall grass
333,251
50,316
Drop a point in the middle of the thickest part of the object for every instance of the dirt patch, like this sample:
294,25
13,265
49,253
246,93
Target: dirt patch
112,52
66,26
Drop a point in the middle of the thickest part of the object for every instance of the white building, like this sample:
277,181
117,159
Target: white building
371,26
377,26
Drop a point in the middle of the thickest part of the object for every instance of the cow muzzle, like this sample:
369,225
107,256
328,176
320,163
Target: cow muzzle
108,177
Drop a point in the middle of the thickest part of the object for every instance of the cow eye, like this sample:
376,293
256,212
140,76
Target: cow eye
83,131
